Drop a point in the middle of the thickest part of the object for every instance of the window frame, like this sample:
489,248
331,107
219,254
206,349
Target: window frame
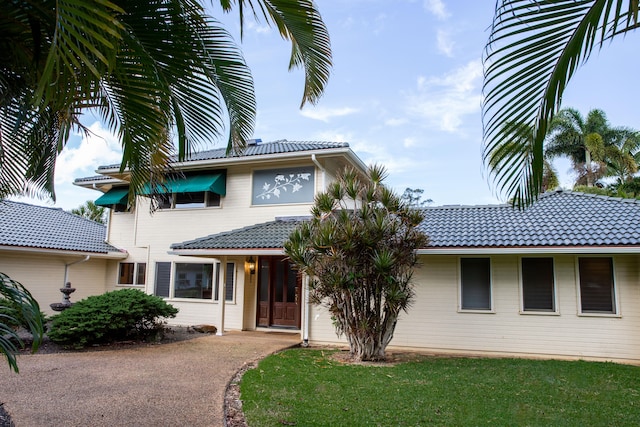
134,274
211,200
614,289
216,279
523,309
461,309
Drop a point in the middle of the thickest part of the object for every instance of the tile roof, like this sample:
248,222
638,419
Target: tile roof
24,225
268,235
558,219
260,149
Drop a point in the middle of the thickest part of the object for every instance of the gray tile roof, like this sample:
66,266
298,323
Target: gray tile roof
268,235
260,149
24,225
558,219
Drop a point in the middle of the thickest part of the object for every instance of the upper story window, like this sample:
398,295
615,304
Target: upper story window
117,199
475,284
190,191
597,287
283,186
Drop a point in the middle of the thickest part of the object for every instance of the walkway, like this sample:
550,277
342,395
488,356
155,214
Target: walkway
174,384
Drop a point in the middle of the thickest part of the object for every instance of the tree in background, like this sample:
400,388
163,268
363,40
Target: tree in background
413,197
146,68
533,50
90,211
359,253
17,308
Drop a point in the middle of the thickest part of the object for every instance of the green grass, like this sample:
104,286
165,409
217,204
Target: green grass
308,388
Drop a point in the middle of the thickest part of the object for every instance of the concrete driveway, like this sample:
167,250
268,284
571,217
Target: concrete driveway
175,384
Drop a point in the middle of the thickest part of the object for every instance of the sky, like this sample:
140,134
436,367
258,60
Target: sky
405,92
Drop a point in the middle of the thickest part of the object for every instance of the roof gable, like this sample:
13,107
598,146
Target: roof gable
23,225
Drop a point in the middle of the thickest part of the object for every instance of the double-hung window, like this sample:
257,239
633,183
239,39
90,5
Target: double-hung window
132,273
597,288
538,285
475,284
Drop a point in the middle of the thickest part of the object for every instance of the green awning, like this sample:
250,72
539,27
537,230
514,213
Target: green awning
115,196
214,182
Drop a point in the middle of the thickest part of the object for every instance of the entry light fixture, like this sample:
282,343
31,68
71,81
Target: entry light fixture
251,263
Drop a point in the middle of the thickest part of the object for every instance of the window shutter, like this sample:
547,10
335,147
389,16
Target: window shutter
163,279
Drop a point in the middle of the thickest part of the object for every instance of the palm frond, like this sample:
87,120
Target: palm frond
534,49
17,306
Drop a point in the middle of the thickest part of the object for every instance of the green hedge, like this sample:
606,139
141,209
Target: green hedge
119,315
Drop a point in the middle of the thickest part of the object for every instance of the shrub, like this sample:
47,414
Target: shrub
114,316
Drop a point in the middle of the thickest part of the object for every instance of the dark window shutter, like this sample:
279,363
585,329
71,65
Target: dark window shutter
537,284
596,285
476,283
163,279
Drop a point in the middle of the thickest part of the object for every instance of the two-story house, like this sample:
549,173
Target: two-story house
246,288
559,279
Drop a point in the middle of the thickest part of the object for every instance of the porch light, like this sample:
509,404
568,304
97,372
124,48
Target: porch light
251,263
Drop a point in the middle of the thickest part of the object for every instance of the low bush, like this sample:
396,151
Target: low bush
124,314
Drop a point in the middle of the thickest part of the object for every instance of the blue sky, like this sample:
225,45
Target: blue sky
405,92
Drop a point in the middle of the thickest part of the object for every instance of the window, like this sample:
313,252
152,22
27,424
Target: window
200,199
475,284
229,284
597,291
280,186
193,281
538,284
130,270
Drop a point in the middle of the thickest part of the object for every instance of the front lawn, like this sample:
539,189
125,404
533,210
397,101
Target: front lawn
311,388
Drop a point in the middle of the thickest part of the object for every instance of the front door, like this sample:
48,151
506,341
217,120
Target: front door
279,288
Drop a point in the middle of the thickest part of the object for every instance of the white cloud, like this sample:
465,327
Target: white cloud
258,28
442,102
444,43
437,7
409,142
100,147
325,114
395,121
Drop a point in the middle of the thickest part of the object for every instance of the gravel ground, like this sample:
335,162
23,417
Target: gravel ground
180,381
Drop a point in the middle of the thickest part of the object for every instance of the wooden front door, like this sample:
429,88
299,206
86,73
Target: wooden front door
279,290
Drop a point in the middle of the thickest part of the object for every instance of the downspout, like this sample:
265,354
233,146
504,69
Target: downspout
66,268
307,313
317,163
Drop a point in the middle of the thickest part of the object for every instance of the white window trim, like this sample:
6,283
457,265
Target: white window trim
491,310
135,275
616,289
172,283
173,207
556,305
231,301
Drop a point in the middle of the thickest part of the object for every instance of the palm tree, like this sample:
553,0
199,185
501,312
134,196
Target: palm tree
148,69
17,308
534,49
90,211
591,144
